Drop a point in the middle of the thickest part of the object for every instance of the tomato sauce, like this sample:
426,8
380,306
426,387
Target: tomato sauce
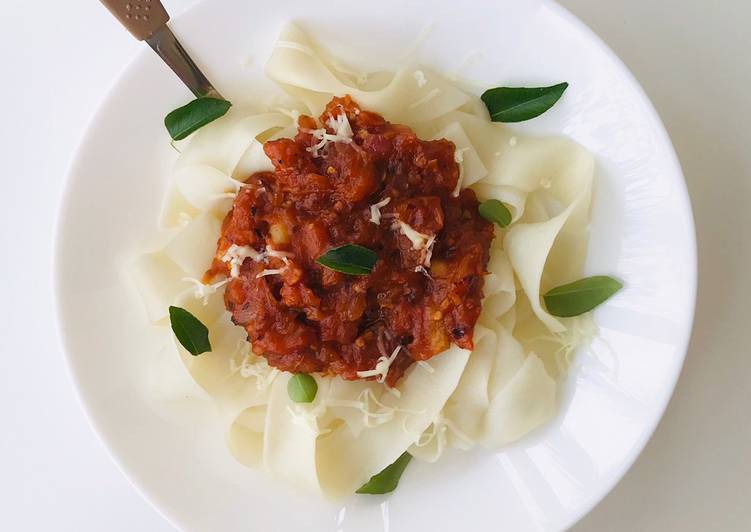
303,317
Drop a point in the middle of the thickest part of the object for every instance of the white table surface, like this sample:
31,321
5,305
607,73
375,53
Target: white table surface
692,57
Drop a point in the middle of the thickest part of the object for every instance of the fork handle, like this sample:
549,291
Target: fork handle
147,21
140,17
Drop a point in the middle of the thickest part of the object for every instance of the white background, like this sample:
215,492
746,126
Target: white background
693,58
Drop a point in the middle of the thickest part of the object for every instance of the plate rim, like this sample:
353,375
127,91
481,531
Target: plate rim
652,114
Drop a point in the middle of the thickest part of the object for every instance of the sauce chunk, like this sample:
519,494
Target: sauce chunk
356,179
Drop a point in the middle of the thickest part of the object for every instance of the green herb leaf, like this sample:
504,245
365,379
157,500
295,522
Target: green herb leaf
190,332
350,258
387,480
186,119
302,388
580,296
495,211
517,104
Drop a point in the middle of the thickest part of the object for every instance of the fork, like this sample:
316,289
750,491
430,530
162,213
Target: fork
147,21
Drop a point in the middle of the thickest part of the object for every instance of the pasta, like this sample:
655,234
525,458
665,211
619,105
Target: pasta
494,395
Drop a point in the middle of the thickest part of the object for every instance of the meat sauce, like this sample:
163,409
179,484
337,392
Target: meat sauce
303,317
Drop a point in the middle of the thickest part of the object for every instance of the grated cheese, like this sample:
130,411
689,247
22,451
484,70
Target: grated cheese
580,332
278,254
439,431
203,291
342,133
236,255
374,412
419,240
459,159
421,269
252,366
382,366
375,211
512,141
266,272
424,365
428,251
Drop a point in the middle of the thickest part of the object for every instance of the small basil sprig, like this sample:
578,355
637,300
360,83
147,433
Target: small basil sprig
350,258
581,296
190,332
517,104
186,119
387,480
495,211
302,388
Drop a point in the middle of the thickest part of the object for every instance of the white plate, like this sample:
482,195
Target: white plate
642,232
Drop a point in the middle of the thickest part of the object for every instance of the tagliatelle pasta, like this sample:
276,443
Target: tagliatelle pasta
506,387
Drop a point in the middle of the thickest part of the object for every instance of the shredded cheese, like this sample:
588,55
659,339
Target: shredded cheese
419,240
374,412
421,269
236,255
512,141
342,133
459,159
580,332
424,365
382,366
428,251
203,291
284,256
252,366
278,254
375,211
439,431
266,272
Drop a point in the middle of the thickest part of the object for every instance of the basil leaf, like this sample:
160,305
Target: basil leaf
580,296
495,211
302,388
186,119
387,480
350,258
190,332
517,104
